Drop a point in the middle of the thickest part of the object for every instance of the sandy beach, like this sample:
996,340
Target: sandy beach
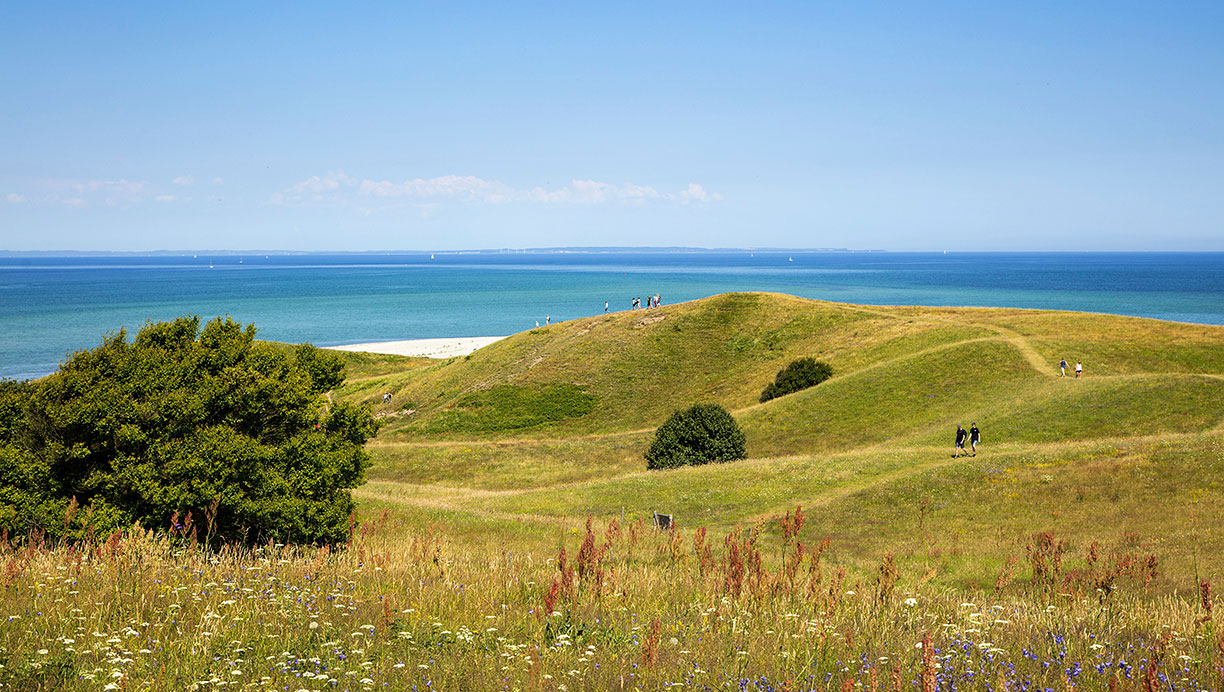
424,348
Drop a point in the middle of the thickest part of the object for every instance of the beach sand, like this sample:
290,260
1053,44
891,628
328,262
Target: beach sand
427,348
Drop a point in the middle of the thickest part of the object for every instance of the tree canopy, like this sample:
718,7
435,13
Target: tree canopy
800,374
699,434
184,419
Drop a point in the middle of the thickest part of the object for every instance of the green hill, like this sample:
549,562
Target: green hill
549,425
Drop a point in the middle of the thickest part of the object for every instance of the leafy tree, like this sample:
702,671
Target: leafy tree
800,374
700,434
184,419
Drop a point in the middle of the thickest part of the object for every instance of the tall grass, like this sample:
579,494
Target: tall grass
613,607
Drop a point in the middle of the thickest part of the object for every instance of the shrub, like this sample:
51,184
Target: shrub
697,435
800,374
184,419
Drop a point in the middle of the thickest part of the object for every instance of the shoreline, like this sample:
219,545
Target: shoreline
423,348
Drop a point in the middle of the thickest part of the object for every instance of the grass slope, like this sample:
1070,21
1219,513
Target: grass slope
549,425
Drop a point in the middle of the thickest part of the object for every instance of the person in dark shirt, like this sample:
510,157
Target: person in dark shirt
960,441
975,436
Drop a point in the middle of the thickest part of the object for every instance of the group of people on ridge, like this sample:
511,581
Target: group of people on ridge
651,302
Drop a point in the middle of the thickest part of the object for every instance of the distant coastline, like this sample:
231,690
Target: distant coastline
481,251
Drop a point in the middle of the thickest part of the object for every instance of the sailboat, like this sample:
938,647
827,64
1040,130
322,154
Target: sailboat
431,256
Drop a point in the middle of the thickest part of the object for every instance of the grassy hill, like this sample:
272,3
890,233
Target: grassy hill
550,425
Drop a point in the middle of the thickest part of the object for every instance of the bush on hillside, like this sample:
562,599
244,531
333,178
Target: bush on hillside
697,435
184,419
800,374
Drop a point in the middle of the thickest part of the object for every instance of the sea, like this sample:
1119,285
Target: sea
53,306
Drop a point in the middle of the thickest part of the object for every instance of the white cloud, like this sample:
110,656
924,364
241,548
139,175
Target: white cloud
166,198
338,187
461,187
697,193
76,193
14,198
127,188
217,180
183,180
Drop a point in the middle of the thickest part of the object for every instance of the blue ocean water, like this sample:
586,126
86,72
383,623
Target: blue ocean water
50,307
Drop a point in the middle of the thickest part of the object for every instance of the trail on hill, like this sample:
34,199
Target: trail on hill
1018,340
443,502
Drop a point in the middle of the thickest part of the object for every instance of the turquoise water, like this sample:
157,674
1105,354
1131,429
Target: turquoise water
52,306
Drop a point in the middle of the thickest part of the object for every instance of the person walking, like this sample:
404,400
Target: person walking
605,306
960,441
547,320
1079,369
1062,367
975,436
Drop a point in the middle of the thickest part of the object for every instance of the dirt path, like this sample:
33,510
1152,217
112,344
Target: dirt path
444,502
1035,359
514,441
470,500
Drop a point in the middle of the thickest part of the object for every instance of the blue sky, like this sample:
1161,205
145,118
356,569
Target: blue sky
902,126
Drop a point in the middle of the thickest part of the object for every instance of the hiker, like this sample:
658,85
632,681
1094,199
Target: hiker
960,441
1079,369
1062,367
605,306
547,320
975,436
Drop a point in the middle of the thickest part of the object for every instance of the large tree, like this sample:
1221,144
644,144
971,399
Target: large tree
184,419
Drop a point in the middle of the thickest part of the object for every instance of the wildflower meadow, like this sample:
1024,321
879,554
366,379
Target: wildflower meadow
616,606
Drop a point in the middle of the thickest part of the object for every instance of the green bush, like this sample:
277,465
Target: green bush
697,435
184,419
800,374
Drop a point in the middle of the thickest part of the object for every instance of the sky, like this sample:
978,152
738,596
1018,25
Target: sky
405,126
